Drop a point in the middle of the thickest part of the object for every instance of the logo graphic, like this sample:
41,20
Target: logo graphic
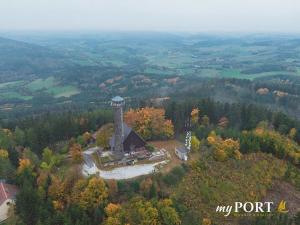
245,207
249,208
282,207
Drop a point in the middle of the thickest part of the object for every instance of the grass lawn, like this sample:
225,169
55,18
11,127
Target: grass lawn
265,74
231,73
63,91
40,84
51,86
209,73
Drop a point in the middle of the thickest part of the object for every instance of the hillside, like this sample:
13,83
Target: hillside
41,71
23,61
210,183
251,159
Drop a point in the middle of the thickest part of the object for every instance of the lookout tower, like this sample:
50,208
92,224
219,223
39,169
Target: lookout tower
117,104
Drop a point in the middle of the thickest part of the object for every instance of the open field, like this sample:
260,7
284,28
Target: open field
63,91
14,95
24,90
40,84
10,84
53,87
44,71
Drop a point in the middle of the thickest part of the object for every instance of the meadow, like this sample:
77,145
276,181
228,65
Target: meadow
35,69
26,90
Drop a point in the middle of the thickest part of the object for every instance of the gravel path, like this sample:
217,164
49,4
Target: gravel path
122,173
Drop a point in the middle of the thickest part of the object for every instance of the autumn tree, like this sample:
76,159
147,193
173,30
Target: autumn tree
271,141
205,120
150,123
76,153
232,147
58,193
87,137
65,192
224,149
94,195
195,143
24,164
292,133
28,154
3,154
113,213
141,212
206,221
195,116
168,129
167,214
112,189
103,135
213,138
43,182
145,186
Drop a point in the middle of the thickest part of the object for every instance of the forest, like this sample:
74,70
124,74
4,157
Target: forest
240,96
229,136
63,71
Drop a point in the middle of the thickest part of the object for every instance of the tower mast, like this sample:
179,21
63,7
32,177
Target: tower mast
117,104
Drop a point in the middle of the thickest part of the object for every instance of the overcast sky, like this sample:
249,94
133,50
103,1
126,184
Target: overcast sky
159,15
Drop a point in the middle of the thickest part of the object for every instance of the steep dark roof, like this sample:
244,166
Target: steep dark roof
126,130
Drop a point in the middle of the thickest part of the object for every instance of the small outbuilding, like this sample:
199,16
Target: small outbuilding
182,152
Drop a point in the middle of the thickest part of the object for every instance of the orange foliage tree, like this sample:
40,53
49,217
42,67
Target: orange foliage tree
224,149
58,192
113,214
195,116
87,137
24,164
150,123
112,189
75,152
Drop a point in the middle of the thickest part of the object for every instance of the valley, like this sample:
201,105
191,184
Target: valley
149,128
88,69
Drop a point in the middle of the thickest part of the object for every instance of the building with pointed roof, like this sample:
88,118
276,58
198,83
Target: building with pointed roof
124,140
131,141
